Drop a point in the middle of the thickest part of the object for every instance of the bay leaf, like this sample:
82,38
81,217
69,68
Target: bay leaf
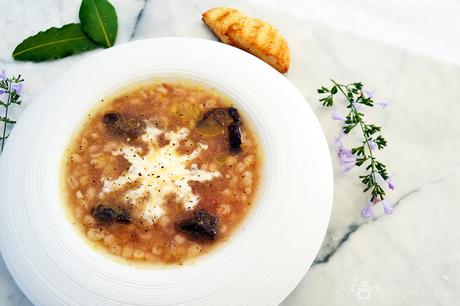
54,43
99,21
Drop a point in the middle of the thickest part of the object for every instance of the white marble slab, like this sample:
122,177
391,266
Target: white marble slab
428,26
409,258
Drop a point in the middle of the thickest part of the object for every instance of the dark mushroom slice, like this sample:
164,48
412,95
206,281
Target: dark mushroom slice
123,125
214,122
109,214
234,137
209,128
219,114
202,226
233,112
218,120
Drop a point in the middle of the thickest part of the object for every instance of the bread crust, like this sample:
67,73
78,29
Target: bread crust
250,34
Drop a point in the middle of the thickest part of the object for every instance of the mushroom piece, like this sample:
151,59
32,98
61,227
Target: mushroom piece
234,137
218,120
202,226
123,125
108,214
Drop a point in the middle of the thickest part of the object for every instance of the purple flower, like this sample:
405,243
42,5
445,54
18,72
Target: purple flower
338,140
368,93
2,92
387,208
2,75
348,167
373,145
367,212
390,183
359,107
336,116
346,159
383,103
17,88
345,153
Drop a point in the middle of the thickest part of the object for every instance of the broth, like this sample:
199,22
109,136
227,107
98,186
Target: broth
162,172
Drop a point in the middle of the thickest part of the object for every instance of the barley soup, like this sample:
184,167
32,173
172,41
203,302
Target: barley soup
162,172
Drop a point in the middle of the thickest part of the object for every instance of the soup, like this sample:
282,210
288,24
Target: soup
162,172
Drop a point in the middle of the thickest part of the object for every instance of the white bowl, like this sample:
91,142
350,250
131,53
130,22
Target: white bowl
263,261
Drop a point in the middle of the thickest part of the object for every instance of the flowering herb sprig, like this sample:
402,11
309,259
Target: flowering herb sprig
364,154
10,90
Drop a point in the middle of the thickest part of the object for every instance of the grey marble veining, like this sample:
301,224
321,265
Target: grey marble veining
409,258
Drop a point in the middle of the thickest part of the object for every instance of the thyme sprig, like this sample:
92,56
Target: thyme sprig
372,138
10,89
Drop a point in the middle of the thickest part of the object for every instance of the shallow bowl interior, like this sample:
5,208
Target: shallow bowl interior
261,264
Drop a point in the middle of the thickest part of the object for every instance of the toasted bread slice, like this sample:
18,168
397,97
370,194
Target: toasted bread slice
252,35
219,19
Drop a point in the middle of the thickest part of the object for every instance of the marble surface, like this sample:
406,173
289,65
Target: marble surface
409,258
428,26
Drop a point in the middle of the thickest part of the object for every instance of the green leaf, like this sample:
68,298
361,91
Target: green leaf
327,101
99,21
334,90
54,43
379,166
358,85
381,142
360,161
358,151
7,120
